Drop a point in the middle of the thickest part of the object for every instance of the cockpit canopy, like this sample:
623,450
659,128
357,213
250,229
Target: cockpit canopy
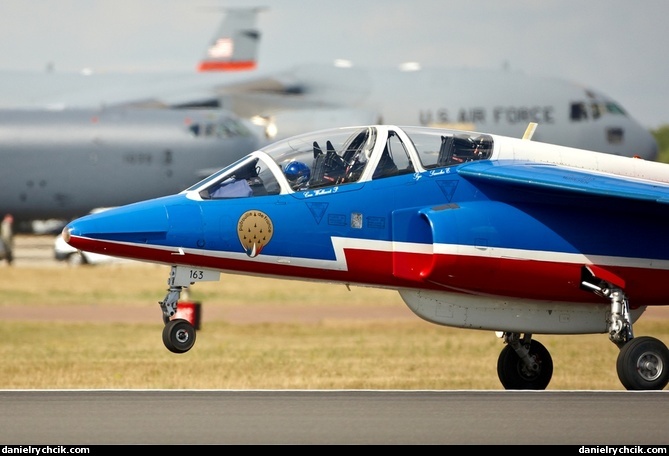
341,156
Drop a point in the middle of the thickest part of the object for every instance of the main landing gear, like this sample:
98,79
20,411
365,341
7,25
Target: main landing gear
524,363
178,334
643,362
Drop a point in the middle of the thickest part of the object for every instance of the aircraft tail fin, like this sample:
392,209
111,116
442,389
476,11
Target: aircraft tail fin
234,47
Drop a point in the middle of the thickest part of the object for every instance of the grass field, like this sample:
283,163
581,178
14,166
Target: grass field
322,353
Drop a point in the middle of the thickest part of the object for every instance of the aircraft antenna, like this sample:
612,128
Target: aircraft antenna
529,131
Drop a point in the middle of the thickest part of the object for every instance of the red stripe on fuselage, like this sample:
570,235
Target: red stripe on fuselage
525,279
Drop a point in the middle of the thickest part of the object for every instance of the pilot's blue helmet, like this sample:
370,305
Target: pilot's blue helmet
297,173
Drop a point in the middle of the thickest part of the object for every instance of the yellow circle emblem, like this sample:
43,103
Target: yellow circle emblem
255,231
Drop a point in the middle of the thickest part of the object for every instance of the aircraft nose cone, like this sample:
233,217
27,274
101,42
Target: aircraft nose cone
648,147
65,234
640,142
125,223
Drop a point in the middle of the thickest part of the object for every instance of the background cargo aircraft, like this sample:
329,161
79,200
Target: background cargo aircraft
475,99
309,97
233,49
63,164
473,230
62,159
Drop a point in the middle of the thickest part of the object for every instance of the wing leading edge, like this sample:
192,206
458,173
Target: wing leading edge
559,179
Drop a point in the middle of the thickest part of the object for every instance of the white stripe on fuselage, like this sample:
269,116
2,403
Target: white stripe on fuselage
340,244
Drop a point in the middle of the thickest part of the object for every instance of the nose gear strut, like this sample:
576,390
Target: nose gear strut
170,303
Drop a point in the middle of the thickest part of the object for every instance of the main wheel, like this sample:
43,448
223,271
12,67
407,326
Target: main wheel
643,364
76,259
514,374
179,335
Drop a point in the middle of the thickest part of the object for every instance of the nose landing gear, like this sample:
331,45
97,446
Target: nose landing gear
179,335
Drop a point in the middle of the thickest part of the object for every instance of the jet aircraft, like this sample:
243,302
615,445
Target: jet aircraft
63,164
313,96
473,230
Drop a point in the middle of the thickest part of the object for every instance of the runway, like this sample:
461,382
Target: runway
171,417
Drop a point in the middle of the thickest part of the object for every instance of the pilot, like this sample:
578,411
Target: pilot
298,175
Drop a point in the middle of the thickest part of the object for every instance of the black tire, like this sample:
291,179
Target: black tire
179,335
76,259
643,364
514,375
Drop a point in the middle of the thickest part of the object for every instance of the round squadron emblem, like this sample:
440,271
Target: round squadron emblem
255,231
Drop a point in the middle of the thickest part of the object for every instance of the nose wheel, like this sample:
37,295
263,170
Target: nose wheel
179,335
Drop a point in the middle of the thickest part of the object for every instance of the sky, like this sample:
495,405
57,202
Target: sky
617,47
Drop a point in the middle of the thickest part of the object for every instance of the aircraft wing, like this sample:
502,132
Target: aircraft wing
561,179
292,89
